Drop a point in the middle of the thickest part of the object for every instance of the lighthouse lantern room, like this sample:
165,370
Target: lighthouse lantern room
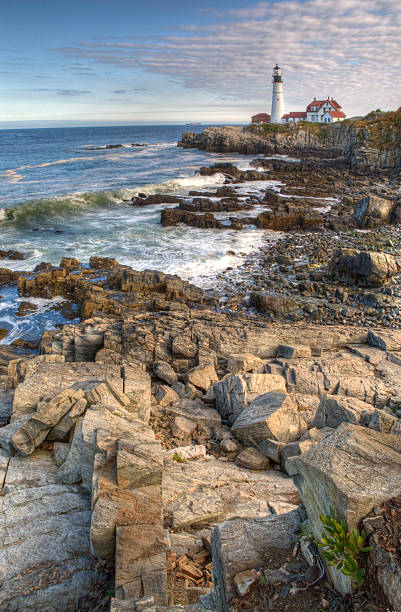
277,96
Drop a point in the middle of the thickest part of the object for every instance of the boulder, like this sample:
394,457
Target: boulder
98,431
136,386
296,352
271,449
175,216
252,459
228,445
334,410
366,268
275,303
272,415
7,432
196,411
64,426
202,376
293,449
233,393
45,376
389,340
165,372
35,430
13,255
184,347
241,544
165,396
103,263
182,427
351,470
244,362
141,562
373,211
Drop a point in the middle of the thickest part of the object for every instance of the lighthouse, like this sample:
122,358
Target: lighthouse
277,96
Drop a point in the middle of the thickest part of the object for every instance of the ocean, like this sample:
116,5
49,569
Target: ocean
65,193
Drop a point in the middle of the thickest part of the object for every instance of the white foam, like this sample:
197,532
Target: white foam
178,185
212,258
284,158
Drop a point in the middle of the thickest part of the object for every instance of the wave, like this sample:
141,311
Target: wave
179,185
35,212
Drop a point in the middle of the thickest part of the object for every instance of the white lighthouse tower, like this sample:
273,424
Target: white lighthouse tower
277,96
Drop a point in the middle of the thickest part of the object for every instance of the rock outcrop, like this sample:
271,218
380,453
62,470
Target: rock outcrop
113,290
364,267
374,211
169,425
369,144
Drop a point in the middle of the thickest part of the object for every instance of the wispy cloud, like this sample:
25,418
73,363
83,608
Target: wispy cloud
346,48
61,92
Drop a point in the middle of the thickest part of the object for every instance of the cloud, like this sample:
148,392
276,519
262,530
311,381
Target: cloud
345,48
61,92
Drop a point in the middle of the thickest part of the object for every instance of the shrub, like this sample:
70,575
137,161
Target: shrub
342,548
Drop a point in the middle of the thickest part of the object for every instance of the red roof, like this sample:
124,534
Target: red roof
295,115
337,114
261,117
319,103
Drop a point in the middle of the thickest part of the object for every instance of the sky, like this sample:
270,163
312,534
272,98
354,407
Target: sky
85,62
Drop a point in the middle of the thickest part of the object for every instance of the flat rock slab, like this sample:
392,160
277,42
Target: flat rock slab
44,545
204,492
345,374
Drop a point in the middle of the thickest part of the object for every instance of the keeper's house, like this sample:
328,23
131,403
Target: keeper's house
318,111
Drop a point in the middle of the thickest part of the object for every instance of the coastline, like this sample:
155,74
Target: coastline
170,419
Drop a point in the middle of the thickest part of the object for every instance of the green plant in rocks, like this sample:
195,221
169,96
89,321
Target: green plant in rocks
342,548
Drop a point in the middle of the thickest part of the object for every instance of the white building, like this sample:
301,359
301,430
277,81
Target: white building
318,111
324,111
277,96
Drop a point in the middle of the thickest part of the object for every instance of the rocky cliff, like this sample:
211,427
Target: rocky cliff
372,143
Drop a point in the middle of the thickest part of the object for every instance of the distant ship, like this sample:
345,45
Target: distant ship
192,123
